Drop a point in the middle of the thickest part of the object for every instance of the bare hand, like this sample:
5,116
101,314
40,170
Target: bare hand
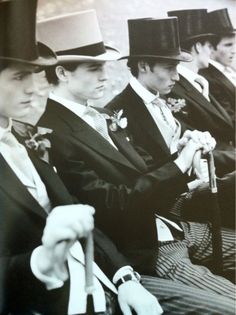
133,296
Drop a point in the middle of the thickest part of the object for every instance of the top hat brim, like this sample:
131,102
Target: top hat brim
46,57
182,56
111,54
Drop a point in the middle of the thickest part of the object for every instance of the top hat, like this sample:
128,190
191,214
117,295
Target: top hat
155,38
193,24
17,34
220,22
76,37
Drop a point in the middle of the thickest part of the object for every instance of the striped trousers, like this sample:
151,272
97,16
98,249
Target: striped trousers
183,262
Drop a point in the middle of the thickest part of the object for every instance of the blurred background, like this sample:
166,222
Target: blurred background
113,16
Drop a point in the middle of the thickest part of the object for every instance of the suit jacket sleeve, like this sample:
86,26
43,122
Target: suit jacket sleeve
130,204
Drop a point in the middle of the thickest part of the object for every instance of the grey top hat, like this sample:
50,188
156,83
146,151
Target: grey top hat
155,38
17,34
76,37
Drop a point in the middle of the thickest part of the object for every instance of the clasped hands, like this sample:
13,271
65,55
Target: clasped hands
191,146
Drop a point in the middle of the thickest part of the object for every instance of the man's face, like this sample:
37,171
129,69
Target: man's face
86,82
225,50
204,55
16,90
161,77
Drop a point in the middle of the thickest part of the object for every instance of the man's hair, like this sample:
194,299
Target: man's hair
132,64
215,41
51,71
188,45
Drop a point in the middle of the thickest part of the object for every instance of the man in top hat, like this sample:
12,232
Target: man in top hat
219,74
99,164
151,123
40,220
202,110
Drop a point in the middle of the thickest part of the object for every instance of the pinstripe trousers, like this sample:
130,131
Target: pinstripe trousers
198,290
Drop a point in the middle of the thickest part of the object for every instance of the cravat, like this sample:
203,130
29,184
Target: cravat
99,123
203,83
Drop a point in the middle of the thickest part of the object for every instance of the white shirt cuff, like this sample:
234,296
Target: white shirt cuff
121,273
51,282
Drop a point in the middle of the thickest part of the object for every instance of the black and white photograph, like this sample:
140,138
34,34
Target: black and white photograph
117,157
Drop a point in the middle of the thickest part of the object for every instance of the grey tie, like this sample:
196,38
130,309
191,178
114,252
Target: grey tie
100,123
204,86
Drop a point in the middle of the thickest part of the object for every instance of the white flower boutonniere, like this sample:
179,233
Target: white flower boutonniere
117,120
176,105
38,142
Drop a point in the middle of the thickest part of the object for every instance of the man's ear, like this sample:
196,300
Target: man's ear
142,66
198,47
62,73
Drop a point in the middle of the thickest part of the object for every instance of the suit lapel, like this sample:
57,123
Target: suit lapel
148,124
222,78
197,98
56,190
82,132
16,190
119,138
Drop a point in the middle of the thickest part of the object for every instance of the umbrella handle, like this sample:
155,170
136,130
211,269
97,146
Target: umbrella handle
216,217
89,258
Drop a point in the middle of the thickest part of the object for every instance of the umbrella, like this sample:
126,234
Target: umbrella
216,218
89,286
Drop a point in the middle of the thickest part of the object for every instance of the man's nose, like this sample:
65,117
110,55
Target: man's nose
103,75
175,76
30,84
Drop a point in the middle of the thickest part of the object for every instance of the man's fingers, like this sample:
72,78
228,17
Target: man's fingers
125,309
53,237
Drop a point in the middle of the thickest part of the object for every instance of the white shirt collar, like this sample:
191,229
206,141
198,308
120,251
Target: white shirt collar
142,92
217,65
187,73
74,107
4,130
191,76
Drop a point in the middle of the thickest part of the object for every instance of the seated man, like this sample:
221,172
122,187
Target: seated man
99,165
151,123
202,110
35,204
219,74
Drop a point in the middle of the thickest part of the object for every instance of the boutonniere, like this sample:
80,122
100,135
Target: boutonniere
176,105
117,121
38,142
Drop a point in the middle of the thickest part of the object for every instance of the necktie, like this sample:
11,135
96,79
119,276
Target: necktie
168,125
99,123
19,156
203,83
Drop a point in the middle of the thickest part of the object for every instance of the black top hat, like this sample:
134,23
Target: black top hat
155,38
193,24
17,34
220,22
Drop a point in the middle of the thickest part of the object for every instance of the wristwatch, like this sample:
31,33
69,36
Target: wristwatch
134,276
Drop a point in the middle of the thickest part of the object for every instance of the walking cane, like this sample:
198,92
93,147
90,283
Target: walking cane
89,286
216,217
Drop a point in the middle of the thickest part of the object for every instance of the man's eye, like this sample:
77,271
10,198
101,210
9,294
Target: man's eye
19,77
